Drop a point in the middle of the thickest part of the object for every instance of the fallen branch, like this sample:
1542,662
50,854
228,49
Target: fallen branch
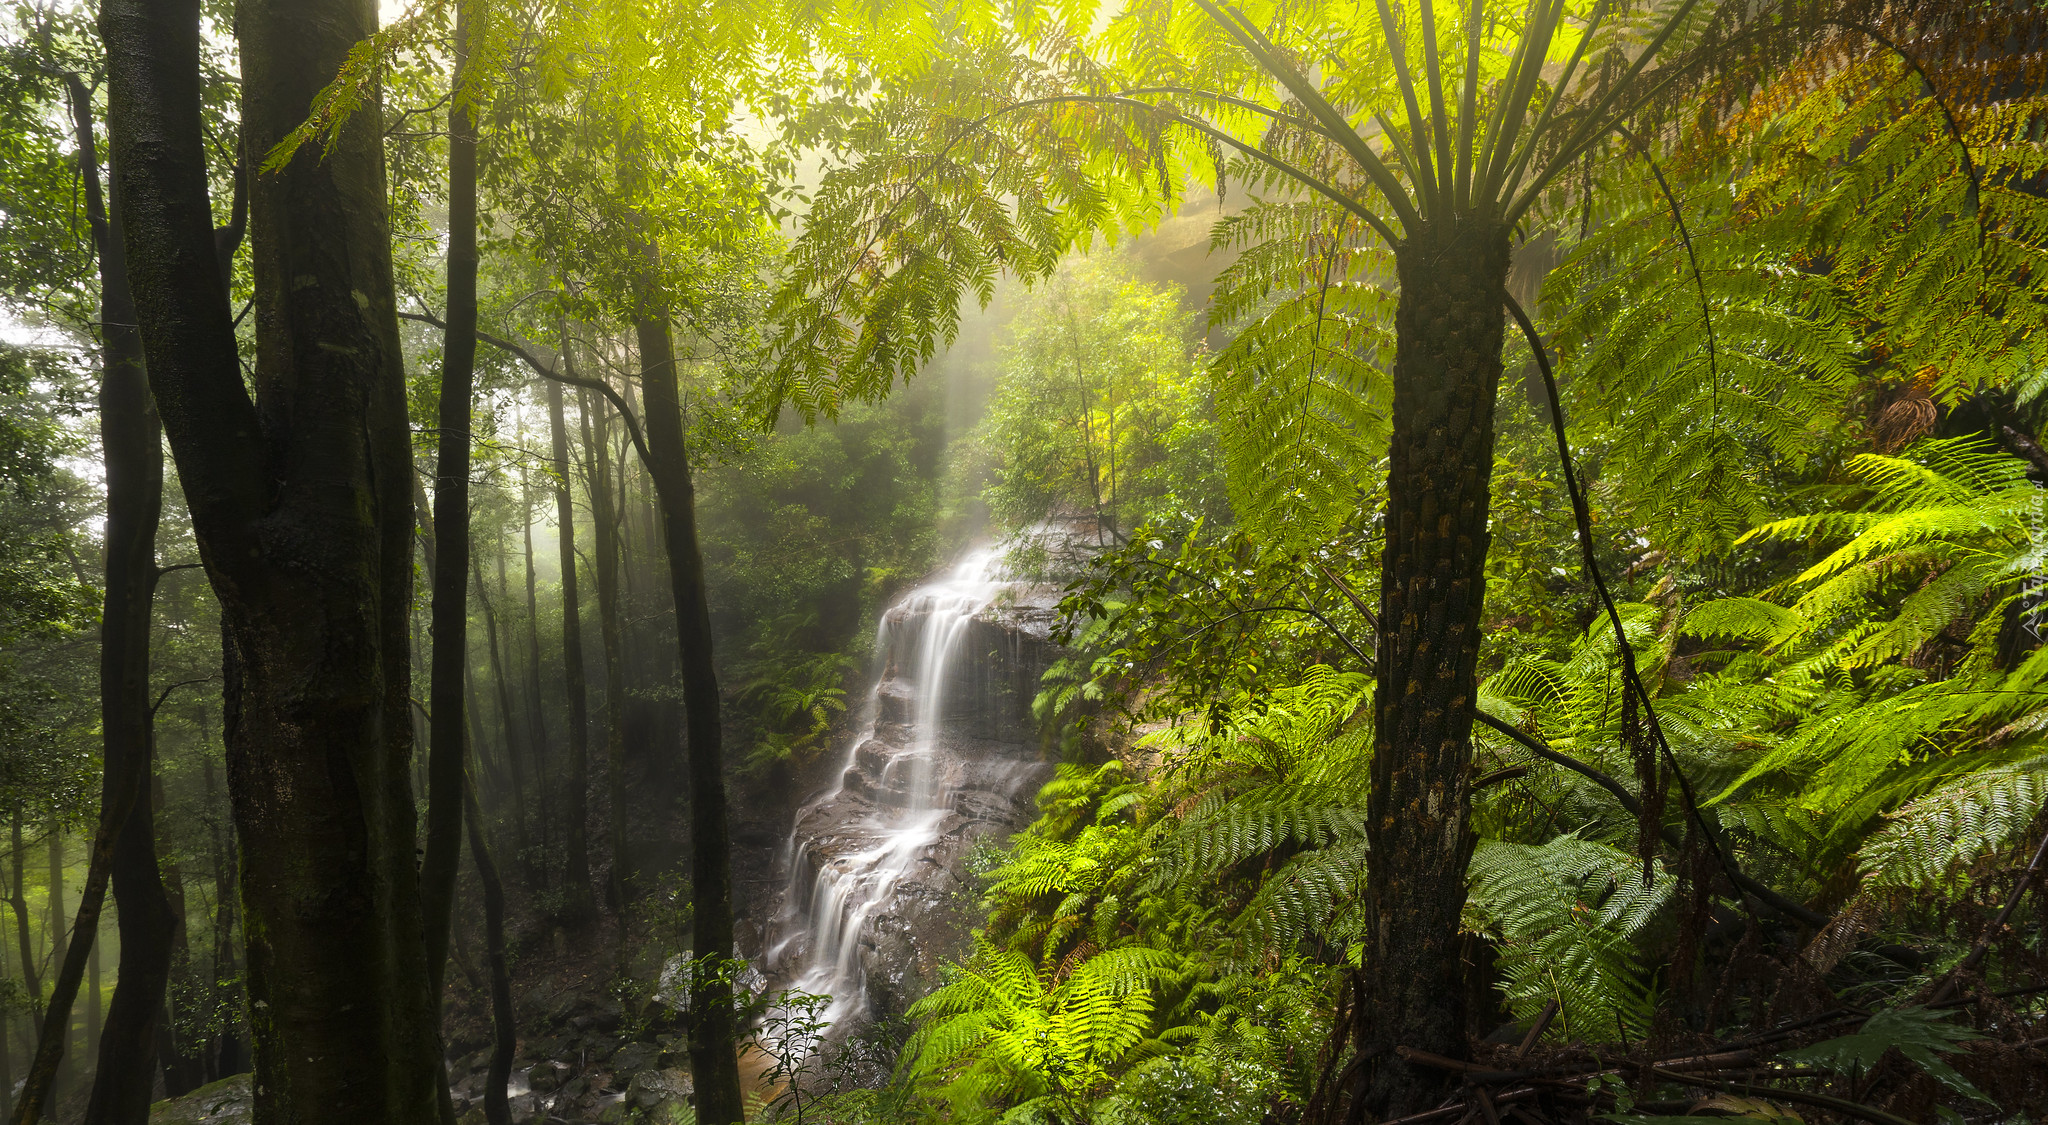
1839,1105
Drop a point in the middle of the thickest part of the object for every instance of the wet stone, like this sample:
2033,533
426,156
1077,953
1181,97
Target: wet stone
635,1057
654,1089
547,1076
229,1101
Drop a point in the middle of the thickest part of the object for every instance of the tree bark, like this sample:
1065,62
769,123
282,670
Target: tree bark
45,1073
300,504
536,716
65,981
446,726
576,796
714,1058
93,1007
506,722
1447,367
133,462
504,1031
604,523
227,1055
6,1054
18,901
183,1067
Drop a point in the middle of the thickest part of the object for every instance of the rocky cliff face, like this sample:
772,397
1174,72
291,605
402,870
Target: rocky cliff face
876,893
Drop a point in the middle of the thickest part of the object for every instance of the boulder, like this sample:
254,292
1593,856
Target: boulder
229,1101
633,1058
654,1091
546,1077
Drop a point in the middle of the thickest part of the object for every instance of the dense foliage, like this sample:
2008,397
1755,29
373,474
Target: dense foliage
1722,704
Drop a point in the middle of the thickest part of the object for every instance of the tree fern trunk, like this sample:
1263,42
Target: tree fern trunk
1432,572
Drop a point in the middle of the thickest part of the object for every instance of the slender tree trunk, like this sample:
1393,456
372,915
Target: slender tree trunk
93,1002
504,1031
46,1073
184,1067
300,503
54,920
450,543
519,733
134,472
227,1056
604,523
64,981
536,718
1447,368
6,1053
576,786
18,900
510,728
714,1059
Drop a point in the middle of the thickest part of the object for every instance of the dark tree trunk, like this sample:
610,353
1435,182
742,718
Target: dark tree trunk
65,981
227,1055
132,452
604,523
6,1054
576,787
714,1058
506,723
504,1032
1432,572
124,847
93,1010
536,717
449,559
300,503
18,900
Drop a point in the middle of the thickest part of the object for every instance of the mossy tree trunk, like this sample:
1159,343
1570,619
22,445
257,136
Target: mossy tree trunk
300,501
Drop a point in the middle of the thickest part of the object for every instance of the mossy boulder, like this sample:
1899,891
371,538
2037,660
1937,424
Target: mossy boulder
230,1101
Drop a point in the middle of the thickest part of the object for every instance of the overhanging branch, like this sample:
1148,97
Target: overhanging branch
547,371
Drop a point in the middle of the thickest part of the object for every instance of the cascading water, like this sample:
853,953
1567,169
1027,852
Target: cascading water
911,782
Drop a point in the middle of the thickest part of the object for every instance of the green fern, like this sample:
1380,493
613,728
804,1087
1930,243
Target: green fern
1938,837
1566,917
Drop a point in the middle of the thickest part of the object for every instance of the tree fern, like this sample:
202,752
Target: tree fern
1301,386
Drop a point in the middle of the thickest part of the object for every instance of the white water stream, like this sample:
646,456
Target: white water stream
904,793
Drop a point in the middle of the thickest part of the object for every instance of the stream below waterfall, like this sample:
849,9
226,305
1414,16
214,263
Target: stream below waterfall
945,753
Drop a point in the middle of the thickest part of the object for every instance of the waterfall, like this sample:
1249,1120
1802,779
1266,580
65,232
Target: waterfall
851,848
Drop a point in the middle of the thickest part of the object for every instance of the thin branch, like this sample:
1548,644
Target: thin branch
165,695
547,371
1631,679
1933,91
1839,1105
1698,279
